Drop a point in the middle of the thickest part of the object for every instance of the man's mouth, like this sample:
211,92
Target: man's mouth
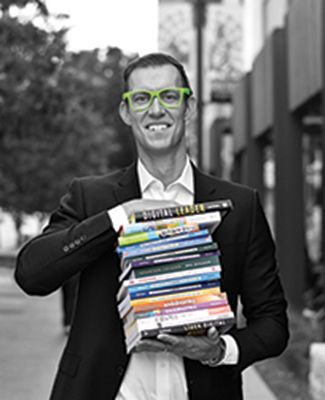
157,127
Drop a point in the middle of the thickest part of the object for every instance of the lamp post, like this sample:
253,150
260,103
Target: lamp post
199,13
199,20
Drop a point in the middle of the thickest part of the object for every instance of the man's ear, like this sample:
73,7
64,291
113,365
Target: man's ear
125,113
190,110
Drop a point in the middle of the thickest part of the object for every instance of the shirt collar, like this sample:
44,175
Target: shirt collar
186,178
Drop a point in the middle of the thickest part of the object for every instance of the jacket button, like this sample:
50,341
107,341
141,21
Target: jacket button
120,370
66,249
77,242
72,245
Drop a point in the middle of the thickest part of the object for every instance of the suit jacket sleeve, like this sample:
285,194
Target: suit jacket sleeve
70,242
264,305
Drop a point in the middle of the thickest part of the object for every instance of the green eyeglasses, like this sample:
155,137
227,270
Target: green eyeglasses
141,99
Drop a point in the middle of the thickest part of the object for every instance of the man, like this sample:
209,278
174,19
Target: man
81,237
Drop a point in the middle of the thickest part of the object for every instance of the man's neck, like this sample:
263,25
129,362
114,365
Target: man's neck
167,168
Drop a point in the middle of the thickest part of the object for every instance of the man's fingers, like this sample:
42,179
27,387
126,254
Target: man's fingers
133,206
168,339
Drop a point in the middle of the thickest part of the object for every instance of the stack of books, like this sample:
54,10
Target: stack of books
171,272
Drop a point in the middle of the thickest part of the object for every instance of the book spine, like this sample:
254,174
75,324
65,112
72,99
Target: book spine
168,280
182,329
175,310
168,247
188,328
190,250
170,300
158,242
174,267
155,235
160,322
130,283
170,212
200,219
175,289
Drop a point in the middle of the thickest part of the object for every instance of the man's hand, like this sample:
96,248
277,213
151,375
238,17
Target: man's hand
201,348
133,206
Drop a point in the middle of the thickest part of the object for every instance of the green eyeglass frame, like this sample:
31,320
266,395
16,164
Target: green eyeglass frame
142,99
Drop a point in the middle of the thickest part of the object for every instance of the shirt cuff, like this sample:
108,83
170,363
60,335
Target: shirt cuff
232,351
118,217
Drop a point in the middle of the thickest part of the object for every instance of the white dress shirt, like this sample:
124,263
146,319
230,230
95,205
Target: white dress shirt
161,376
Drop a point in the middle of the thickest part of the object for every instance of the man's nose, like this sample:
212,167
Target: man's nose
156,107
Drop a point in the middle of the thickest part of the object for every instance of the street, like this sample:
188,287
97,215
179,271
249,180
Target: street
31,341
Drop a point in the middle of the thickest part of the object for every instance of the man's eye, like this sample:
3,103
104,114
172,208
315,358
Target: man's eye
140,98
170,96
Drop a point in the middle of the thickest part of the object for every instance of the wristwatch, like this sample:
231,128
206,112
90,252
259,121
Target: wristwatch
214,362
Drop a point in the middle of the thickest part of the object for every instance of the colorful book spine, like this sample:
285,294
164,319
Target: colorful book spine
155,235
173,275
179,211
165,320
203,220
174,289
165,241
175,320
182,252
174,279
174,310
168,247
207,260
178,266
169,300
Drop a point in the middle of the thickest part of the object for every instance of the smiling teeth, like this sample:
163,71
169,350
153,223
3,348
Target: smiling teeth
157,127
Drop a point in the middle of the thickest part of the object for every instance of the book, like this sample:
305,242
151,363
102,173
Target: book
178,309
171,272
182,210
168,254
169,280
195,328
185,263
155,235
165,320
173,298
167,247
174,289
164,241
169,300
203,220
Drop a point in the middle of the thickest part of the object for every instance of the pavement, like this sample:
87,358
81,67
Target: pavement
31,342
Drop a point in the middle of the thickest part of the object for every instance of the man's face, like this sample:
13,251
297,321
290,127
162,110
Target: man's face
157,130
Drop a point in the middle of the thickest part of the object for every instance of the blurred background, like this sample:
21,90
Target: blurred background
258,69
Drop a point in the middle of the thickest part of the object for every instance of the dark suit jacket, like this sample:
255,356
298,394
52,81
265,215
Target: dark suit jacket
80,238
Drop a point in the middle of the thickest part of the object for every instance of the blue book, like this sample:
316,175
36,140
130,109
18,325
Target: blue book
167,247
174,289
175,282
171,239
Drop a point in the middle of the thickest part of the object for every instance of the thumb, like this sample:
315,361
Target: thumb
213,333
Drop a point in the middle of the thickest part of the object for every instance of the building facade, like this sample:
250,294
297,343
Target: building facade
213,59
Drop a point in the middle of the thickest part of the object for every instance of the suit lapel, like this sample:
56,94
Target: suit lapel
204,187
128,187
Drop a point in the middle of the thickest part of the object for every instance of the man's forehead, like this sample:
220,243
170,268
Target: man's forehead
155,77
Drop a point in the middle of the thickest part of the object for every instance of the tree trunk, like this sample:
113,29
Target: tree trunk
18,220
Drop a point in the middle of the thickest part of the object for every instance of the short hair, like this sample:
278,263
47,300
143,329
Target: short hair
154,60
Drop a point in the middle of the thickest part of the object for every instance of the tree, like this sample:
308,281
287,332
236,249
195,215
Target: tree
56,120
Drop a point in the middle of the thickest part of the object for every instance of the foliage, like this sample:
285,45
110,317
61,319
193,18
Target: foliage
58,114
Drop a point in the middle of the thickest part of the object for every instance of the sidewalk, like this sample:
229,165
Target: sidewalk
31,341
